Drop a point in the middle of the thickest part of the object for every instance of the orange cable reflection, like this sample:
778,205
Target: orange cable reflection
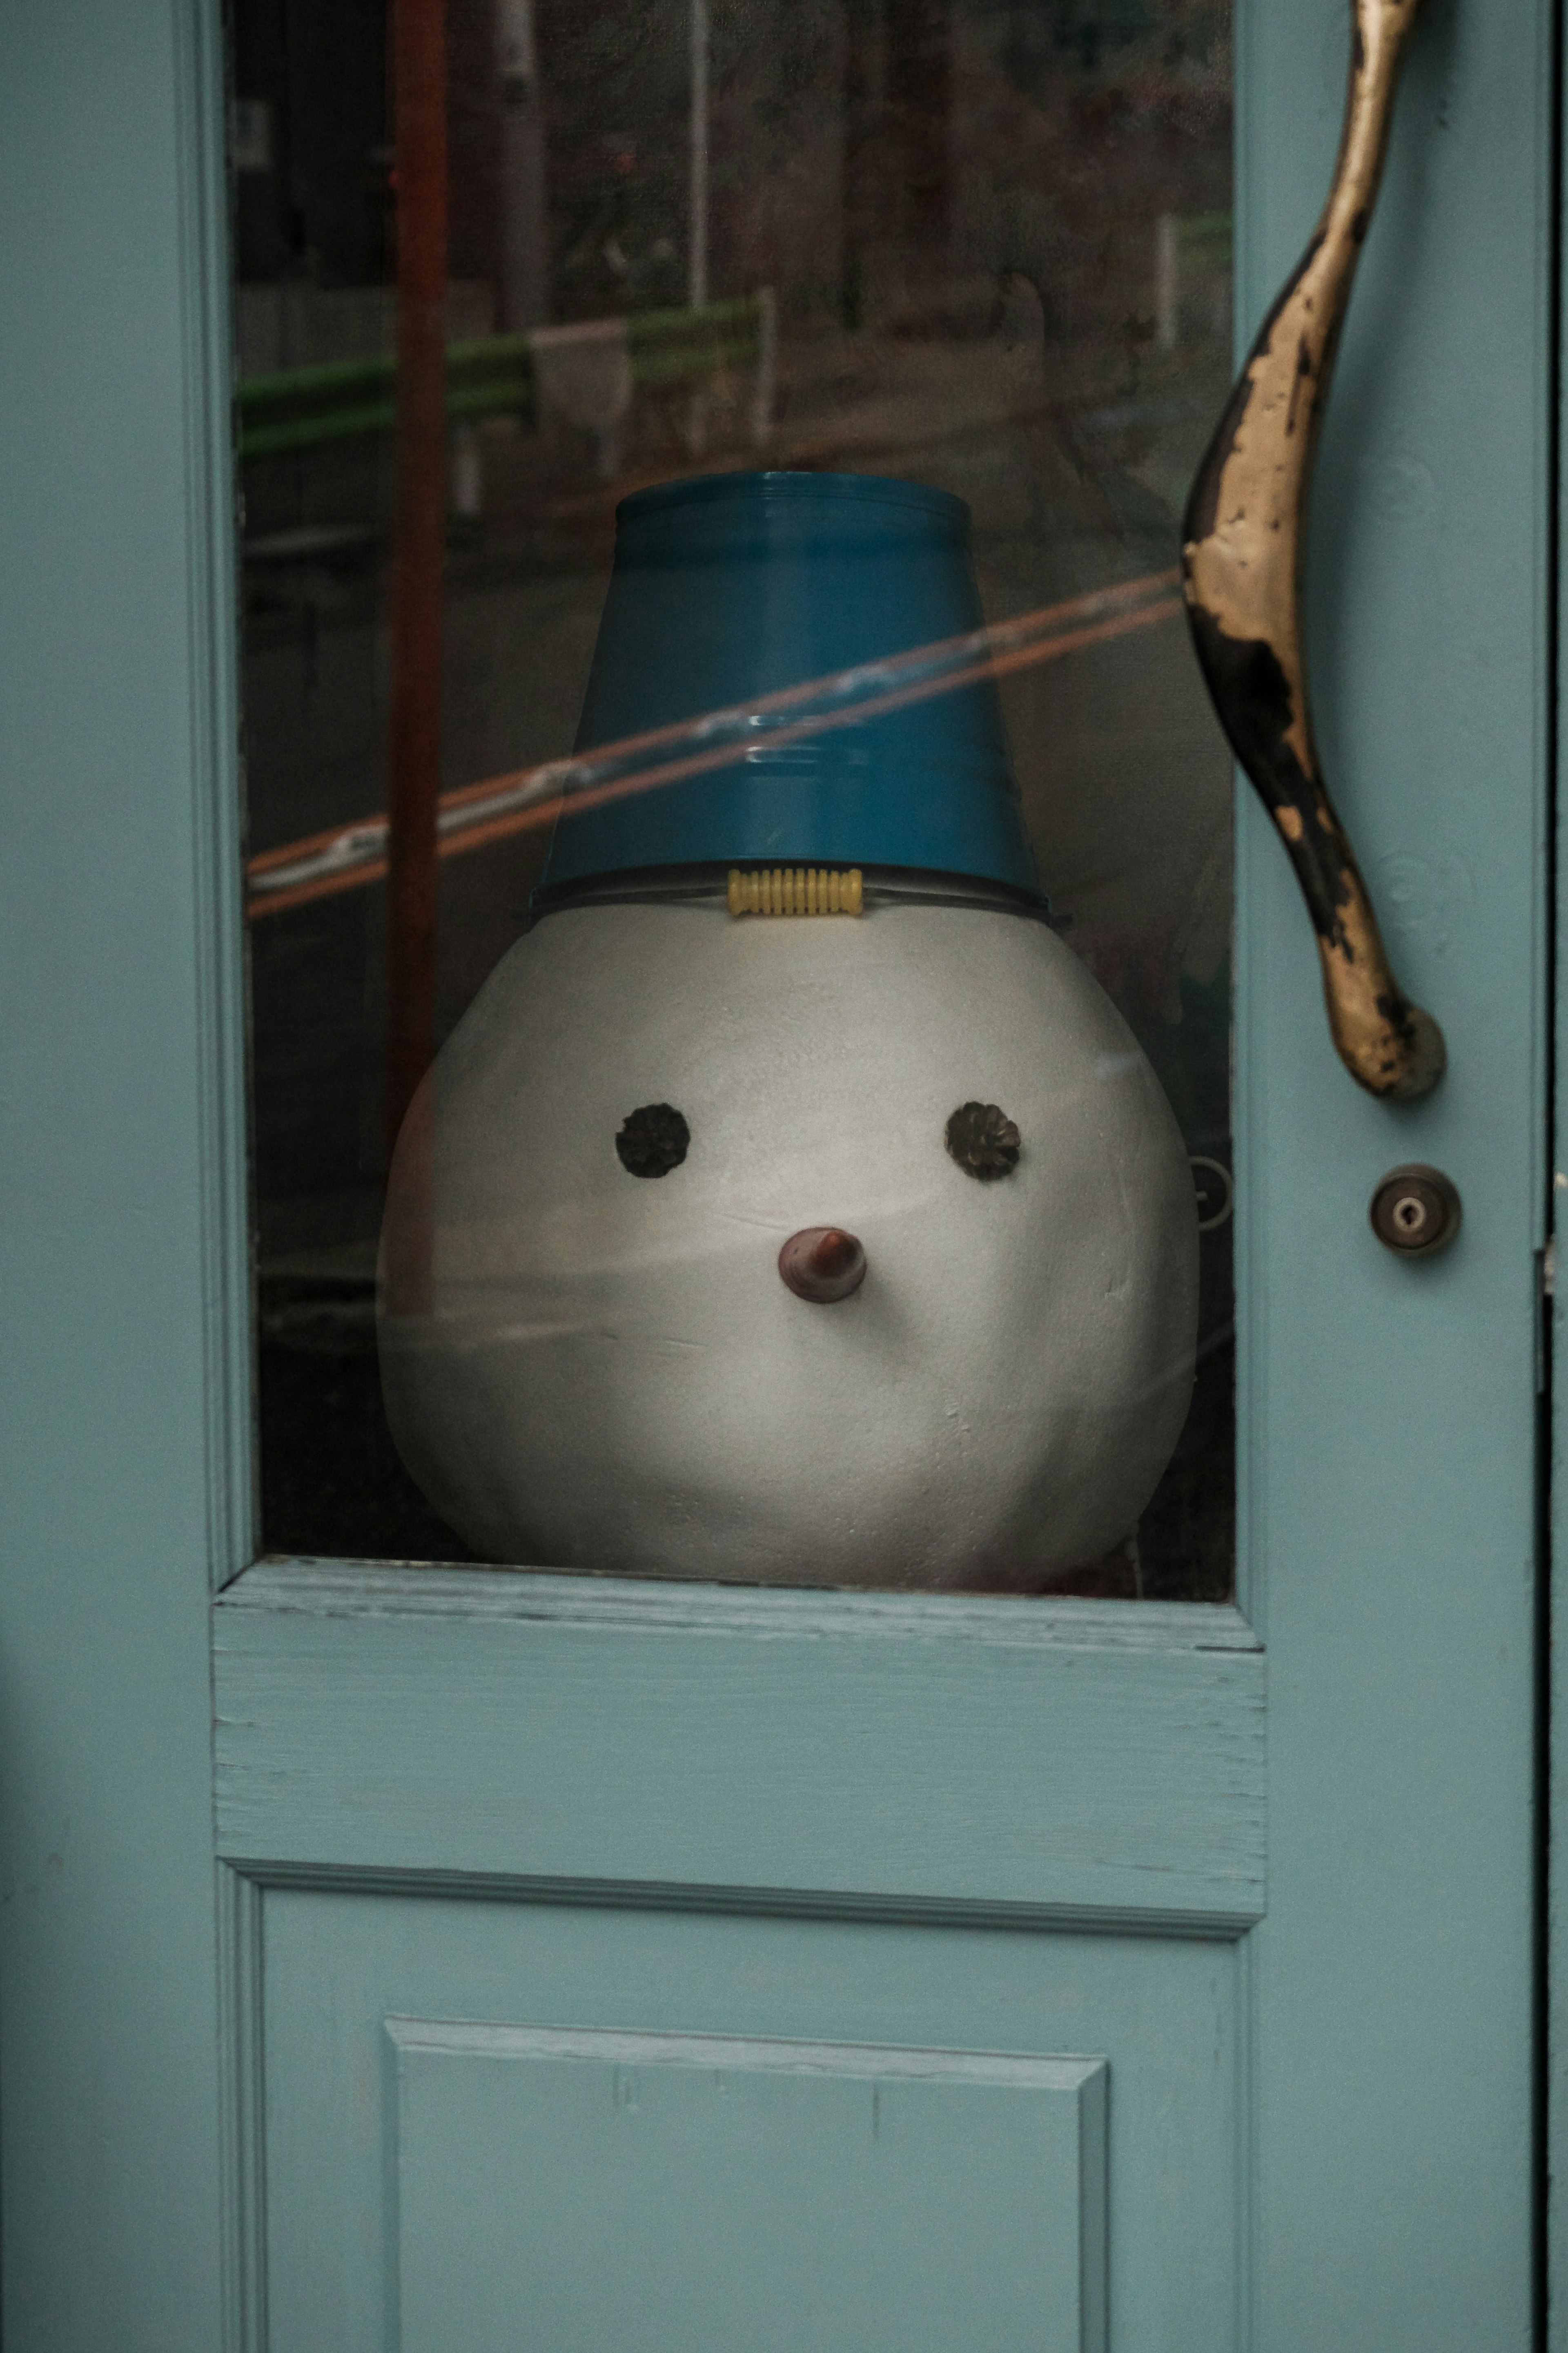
364,841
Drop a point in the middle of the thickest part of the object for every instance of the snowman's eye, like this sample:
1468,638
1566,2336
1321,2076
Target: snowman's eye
983,1141
653,1140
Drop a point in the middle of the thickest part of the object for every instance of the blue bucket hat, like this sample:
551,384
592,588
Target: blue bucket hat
734,588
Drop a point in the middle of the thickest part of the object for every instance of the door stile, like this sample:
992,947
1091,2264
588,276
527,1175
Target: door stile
1554,1311
1389,1479
126,1373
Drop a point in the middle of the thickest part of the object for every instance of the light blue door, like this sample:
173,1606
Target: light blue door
460,1959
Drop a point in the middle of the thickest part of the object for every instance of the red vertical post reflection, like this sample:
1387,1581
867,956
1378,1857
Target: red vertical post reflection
419,104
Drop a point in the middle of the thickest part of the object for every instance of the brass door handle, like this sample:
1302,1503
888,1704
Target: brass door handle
1245,540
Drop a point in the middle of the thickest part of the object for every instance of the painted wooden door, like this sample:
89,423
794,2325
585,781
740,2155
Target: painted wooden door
454,1960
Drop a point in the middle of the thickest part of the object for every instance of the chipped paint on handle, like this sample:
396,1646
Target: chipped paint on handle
1245,541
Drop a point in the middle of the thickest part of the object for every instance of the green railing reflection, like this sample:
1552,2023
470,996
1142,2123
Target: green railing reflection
300,408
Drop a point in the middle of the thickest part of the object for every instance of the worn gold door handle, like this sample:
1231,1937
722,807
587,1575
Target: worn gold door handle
1245,539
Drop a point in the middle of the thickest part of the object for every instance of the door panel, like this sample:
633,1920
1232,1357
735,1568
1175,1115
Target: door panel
374,2004
868,2196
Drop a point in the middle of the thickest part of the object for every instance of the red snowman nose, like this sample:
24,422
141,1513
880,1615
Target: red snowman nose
823,1262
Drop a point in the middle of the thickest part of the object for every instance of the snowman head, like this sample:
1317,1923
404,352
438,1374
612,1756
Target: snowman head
845,1253
811,1219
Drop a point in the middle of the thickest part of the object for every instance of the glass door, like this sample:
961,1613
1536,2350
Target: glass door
878,328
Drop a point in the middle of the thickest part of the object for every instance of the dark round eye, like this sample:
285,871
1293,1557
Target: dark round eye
653,1140
983,1141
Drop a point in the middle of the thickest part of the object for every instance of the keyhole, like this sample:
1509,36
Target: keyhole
1415,1211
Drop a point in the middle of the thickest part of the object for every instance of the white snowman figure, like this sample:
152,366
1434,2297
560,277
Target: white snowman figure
801,1211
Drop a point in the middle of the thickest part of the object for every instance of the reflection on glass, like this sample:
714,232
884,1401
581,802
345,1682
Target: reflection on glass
982,251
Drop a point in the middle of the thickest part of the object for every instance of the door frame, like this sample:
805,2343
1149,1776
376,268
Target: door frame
131,1486
125,1144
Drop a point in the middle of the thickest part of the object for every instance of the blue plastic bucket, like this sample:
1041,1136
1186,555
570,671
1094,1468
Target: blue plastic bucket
732,586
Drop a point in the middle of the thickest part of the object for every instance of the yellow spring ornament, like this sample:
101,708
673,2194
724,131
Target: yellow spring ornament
796,891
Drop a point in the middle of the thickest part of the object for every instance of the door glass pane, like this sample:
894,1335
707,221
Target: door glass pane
825,1177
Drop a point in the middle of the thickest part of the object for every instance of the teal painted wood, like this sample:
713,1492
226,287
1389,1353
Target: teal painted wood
1556,2072
1389,1484
1388,1411
242,2059
857,2198
338,1968
1095,1759
121,1255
